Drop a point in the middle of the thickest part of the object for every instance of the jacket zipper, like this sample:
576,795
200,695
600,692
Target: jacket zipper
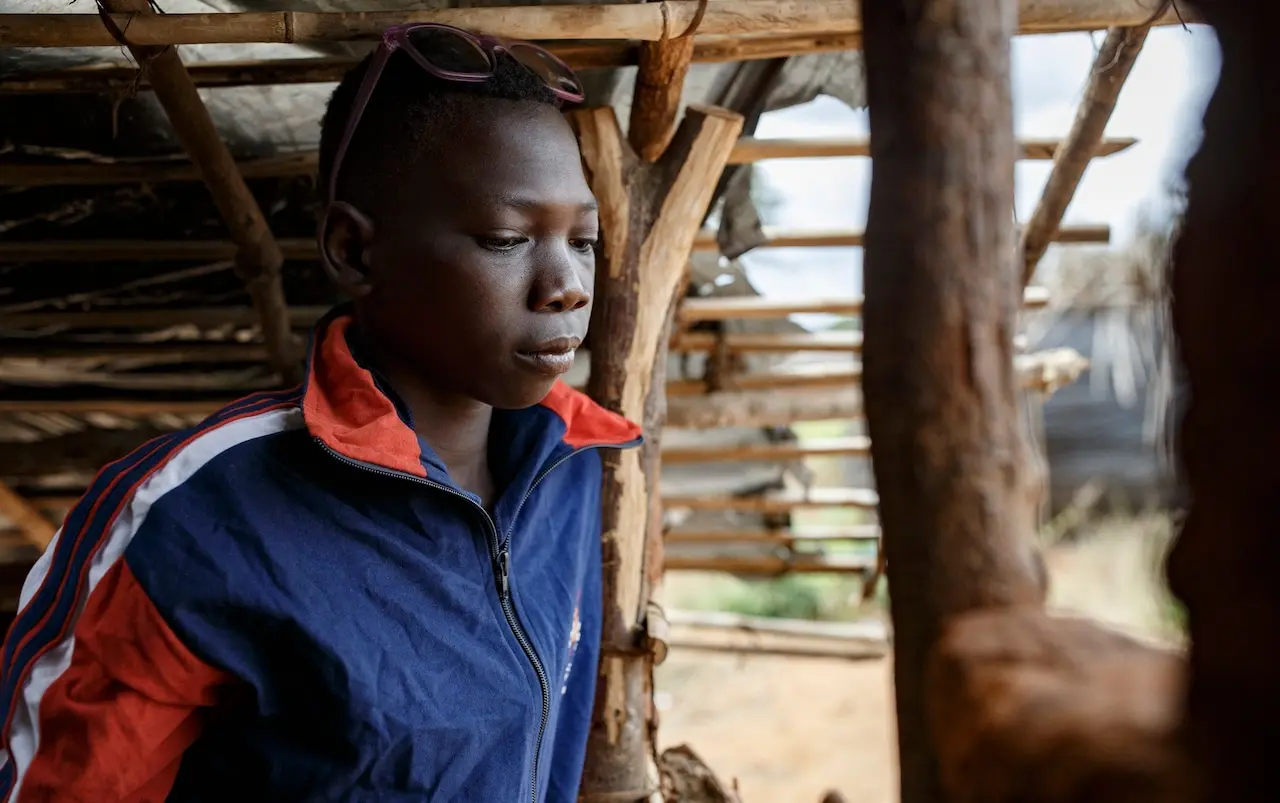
500,552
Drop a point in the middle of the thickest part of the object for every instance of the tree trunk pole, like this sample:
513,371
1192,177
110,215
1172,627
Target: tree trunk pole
953,467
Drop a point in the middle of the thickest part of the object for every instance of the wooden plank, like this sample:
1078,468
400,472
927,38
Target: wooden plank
769,342
852,238
851,446
304,163
861,498
648,21
768,565
751,149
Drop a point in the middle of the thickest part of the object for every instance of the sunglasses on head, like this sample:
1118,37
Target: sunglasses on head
452,54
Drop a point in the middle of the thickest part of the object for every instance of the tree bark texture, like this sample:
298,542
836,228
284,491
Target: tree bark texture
958,485
649,216
1226,559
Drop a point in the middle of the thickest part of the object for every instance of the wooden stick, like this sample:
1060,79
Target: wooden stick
781,537
258,257
304,163
749,308
648,21
36,529
953,468
872,632
299,249
260,72
750,149
851,446
862,498
819,653
1111,67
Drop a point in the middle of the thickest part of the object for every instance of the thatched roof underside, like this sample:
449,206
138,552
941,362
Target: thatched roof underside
39,359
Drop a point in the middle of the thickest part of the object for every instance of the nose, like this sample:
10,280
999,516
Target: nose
562,282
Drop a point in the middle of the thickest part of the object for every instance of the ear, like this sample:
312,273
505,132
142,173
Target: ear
346,240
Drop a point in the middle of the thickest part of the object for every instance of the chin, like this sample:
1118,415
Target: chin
520,395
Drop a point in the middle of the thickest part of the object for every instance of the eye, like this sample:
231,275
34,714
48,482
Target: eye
501,243
583,245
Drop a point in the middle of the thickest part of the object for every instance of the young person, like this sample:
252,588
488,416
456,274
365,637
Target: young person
384,585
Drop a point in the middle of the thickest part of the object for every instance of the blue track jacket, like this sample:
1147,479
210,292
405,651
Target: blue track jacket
293,602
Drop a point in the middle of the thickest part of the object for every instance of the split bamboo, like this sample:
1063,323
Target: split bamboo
646,22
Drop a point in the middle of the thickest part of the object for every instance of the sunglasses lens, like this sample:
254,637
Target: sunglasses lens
547,67
450,51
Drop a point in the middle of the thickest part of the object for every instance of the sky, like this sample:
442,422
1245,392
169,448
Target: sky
1160,105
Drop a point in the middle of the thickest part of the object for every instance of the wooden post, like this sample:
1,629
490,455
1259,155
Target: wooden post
953,468
258,256
1224,564
649,216
1110,69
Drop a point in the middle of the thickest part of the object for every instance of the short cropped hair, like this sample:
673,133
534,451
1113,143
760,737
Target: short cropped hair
410,109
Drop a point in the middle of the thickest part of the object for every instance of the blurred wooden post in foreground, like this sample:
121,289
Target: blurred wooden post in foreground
958,492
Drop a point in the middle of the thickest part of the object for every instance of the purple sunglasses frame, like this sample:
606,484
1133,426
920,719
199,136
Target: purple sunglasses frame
397,38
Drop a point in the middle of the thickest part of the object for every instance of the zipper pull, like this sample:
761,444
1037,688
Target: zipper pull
504,574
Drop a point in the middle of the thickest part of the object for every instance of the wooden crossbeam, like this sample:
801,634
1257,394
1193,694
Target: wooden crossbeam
851,446
743,308
798,563
646,21
265,72
305,163
305,249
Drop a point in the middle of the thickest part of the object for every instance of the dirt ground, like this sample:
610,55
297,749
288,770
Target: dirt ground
789,729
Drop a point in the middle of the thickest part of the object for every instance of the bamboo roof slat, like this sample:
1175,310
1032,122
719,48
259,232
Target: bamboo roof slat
305,163
647,21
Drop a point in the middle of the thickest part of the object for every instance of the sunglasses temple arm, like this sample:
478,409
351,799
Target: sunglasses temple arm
367,86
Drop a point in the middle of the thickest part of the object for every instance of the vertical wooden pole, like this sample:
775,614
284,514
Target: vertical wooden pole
1226,560
649,216
958,492
258,255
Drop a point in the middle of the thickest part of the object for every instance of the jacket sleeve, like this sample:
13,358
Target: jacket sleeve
100,697
574,723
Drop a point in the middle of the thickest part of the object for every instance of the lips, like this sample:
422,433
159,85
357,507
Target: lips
551,358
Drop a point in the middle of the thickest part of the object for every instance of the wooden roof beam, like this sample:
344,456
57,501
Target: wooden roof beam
644,21
258,256
304,163
268,72
1110,69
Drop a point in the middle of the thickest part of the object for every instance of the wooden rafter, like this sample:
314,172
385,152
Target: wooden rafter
304,163
1111,67
299,249
646,22
258,257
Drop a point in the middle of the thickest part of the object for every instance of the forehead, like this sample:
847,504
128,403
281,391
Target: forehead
504,150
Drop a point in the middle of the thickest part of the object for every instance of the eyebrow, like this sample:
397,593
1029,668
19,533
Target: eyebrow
519,202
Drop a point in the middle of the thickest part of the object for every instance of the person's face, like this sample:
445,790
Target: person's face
479,275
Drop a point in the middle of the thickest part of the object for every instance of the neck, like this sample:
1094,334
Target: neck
456,427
